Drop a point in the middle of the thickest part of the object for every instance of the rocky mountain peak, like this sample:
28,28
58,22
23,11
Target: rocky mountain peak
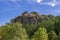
30,18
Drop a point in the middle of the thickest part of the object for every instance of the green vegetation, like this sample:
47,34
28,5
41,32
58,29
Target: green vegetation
41,34
13,32
31,26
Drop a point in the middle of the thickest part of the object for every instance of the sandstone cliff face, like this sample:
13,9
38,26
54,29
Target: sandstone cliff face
30,18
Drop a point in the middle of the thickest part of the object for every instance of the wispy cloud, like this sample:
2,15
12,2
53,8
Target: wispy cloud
52,3
38,1
14,0
16,3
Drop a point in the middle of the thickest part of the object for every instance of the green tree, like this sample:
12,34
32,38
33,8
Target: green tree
30,29
57,24
52,35
48,24
40,34
14,31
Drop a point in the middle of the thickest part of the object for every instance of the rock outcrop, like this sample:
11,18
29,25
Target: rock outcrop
30,18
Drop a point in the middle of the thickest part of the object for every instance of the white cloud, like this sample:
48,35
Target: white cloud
38,1
53,3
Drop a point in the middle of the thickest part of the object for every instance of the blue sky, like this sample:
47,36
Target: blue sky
11,8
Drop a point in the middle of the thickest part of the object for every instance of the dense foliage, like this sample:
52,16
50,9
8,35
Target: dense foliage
31,27
41,34
13,32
